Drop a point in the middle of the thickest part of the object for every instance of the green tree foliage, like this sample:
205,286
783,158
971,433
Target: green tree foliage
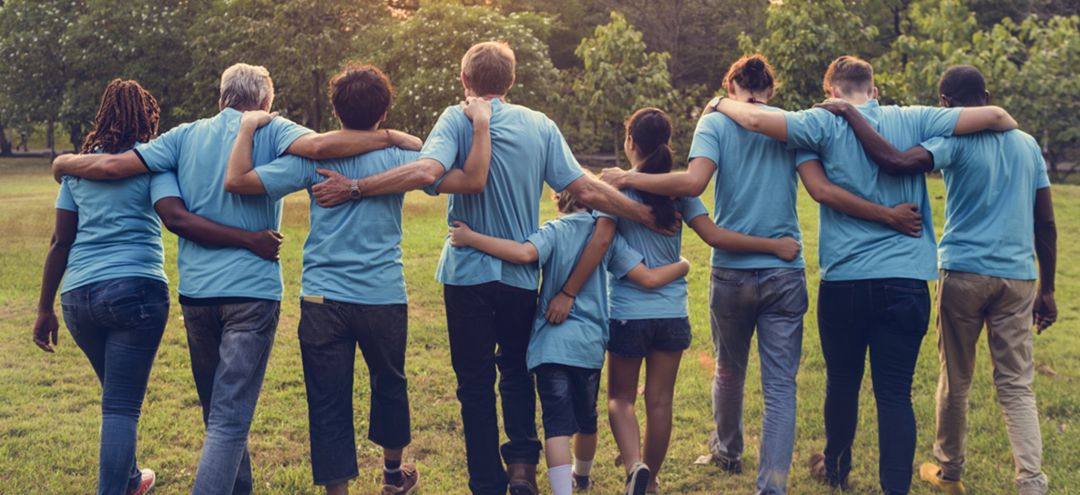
422,55
804,36
620,75
301,42
36,66
1030,68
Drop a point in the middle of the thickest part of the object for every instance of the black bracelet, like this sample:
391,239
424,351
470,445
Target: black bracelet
567,294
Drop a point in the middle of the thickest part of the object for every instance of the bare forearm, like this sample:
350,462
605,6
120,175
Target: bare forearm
604,198
881,151
239,176
752,118
677,184
55,264
1045,239
195,228
512,251
99,166
340,143
666,274
591,256
472,177
729,240
416,175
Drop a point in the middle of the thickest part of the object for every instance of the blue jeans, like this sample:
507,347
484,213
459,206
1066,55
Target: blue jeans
118,325
567,399
889,317
773,301
329,334
229,346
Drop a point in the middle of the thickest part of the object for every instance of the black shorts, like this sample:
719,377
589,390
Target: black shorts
636,338
567,399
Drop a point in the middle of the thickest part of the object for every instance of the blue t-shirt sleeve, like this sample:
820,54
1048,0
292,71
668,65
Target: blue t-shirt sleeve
544,240
162,153
283,132
64,201
562,168
809,129
286,175
943,150
164,185
706,143
803,156
1042,180
933,122
600,214
691,208
442,143
621,258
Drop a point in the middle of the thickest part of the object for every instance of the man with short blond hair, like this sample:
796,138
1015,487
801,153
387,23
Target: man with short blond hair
490,304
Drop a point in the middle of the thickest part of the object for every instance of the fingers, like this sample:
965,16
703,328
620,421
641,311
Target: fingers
277,234
326,173
42,344
54,333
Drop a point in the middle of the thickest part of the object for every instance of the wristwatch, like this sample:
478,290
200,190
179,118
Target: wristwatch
354,189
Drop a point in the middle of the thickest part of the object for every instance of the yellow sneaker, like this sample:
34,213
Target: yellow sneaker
931,473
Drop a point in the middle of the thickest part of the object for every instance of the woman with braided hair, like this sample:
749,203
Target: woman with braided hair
115,297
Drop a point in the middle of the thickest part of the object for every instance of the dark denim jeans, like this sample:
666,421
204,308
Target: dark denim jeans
489,326
567,399
773,301
118,325
229,346
889,317
329,333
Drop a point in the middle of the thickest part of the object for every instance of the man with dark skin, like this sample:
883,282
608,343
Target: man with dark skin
999,217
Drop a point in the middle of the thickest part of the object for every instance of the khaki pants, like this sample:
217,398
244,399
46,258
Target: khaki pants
966,301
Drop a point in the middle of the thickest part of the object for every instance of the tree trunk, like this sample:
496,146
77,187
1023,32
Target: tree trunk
316,94
75,135
615,146
5,145
50,135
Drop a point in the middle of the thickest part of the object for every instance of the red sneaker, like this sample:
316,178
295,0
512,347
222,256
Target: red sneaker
146,483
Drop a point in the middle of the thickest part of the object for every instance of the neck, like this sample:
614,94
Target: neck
856,99
747,97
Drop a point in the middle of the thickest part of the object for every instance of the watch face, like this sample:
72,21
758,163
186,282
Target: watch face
354,193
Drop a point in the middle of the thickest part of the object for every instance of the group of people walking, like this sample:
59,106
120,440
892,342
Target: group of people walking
611,278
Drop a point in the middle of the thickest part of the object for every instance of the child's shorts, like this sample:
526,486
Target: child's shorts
567,399
636,338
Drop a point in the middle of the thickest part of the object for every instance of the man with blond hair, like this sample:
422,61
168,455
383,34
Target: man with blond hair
230,297
490,304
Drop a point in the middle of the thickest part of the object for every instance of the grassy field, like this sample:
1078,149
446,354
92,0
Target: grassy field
49,404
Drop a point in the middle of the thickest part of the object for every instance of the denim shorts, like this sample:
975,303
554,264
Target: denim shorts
637,338
567,399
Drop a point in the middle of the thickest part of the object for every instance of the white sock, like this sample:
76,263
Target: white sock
561,483
582,468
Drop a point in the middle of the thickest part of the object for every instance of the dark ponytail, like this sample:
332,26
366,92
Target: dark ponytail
650,128
752,73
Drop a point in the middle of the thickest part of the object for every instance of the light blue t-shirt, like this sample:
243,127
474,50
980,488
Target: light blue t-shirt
198,152
119,234
851,248
755,190
527,150
630,301
990,183
581,340
353,251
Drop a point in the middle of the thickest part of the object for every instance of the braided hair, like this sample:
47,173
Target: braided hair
128,114
650,128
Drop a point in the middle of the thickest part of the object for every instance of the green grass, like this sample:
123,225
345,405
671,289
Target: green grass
49,407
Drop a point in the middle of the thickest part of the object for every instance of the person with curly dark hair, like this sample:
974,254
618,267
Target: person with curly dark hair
107,249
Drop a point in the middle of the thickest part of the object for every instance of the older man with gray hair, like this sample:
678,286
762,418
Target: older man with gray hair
230,297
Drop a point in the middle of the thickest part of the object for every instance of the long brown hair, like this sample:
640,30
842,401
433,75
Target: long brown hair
650,128
128,114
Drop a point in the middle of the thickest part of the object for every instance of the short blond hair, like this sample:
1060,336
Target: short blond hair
489,68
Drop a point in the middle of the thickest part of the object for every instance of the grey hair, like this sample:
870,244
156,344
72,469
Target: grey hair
245,86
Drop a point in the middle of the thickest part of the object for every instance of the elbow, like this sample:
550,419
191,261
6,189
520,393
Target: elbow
475,186
523,258
234,185
174,223
318,149
1003,121
754,123
694,190
650,281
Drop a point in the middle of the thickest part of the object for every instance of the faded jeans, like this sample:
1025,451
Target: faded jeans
118,325
773,301
229,346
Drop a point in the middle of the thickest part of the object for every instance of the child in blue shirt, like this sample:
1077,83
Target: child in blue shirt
566,357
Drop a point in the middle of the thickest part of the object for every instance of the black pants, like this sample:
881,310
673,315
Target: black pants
489,326
329,334
888,316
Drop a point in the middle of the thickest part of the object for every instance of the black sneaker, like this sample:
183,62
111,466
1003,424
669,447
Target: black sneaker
637,481
581,483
